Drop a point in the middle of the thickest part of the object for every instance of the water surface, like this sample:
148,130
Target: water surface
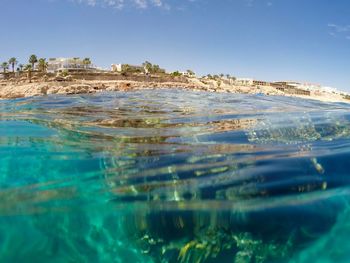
174,176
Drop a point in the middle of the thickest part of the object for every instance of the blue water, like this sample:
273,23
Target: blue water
174,176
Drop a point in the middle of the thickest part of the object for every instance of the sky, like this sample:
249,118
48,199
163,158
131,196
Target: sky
274,40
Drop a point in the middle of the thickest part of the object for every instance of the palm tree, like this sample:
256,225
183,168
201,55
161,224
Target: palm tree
126,68
42,64
176,74
147,66
87,62
156,68
32,60
29,68
5,66
76,62
20,66
13,62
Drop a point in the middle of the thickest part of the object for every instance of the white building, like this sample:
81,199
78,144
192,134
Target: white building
59,64
313,87
116,67
188,74
309,86
331,90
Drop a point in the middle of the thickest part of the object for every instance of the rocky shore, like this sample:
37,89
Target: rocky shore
11,89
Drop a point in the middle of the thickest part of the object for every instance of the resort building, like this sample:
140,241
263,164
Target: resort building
244,81
330,90
60,64
291,87
261,83
184,73
318,89
310,86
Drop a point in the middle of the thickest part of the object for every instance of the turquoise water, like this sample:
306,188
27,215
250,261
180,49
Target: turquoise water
174,176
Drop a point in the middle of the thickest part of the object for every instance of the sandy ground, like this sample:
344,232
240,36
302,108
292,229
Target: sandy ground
13,89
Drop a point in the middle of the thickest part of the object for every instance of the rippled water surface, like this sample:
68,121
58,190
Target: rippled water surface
174,176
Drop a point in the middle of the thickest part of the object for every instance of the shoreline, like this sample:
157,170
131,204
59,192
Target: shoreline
15,89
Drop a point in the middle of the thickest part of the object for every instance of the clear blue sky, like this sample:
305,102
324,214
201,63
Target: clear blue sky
303,40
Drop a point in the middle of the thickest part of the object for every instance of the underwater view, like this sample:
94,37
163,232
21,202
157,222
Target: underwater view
174,176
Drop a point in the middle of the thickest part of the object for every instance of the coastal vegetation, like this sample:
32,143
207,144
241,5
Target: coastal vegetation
13,61
87,62
32,60
126,68
42,65
4,66
176,74
152,68
220,77
190,72
347,97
